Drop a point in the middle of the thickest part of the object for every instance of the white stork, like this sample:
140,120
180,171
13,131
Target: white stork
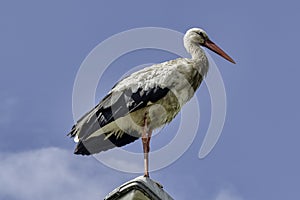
145,100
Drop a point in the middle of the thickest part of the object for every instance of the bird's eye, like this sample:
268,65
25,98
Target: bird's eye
201,34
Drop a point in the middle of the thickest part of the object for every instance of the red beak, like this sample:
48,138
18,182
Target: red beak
212,46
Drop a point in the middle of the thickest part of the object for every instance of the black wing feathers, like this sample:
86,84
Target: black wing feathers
112,107
98,144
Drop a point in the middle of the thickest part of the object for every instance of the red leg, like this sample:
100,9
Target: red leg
148,140
146,147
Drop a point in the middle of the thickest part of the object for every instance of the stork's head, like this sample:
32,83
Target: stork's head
199,36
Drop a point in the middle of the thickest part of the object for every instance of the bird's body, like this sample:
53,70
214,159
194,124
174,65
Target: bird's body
142,102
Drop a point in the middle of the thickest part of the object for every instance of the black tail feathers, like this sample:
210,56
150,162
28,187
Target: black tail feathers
101,143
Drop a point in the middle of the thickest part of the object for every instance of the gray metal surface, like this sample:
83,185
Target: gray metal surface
140,188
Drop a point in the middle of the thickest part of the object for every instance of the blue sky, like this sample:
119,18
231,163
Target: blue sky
44,43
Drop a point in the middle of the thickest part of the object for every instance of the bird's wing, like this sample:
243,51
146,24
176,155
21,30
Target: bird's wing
118,103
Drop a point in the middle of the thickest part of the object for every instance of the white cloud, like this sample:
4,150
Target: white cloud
228,194
55,174
49,174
